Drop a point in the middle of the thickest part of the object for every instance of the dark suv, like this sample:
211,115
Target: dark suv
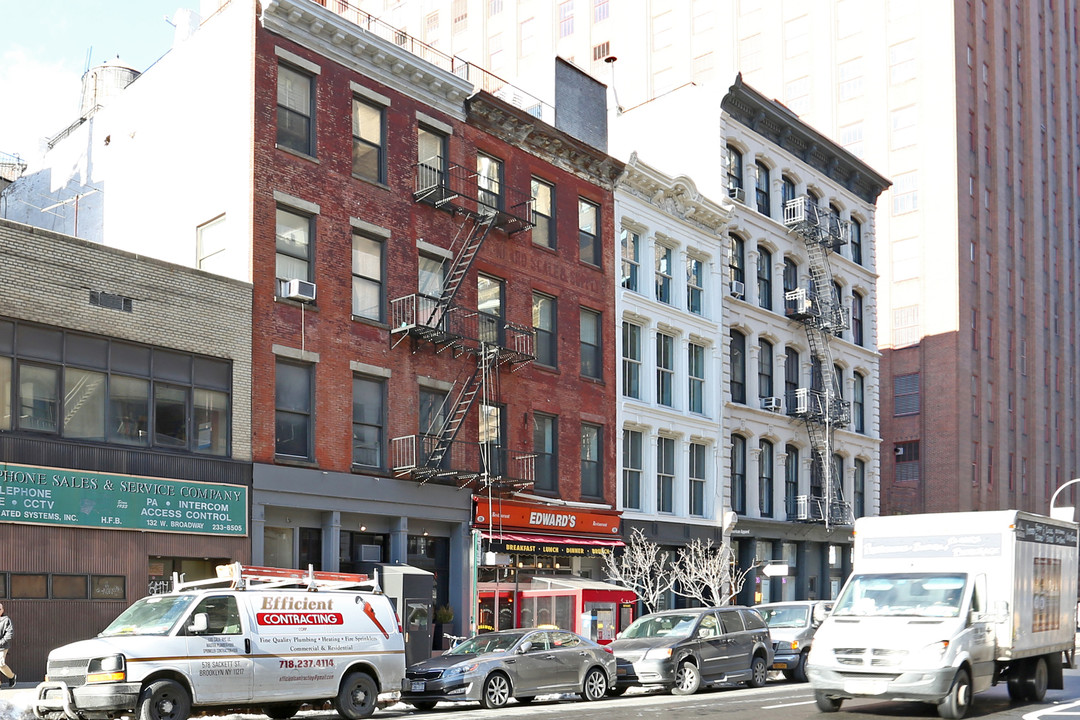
683,649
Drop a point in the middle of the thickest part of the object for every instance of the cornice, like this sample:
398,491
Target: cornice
677,197
779,125
338,39
517,127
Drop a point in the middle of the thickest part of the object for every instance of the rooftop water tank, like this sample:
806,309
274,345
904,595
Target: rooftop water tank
102,83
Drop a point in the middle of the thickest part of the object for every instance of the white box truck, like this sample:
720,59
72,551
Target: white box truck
271,639
941,606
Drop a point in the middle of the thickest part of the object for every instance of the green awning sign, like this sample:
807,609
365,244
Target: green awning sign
76,498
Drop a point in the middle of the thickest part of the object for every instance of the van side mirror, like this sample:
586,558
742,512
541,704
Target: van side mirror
199,623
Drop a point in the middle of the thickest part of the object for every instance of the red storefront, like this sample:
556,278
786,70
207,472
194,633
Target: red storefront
541,564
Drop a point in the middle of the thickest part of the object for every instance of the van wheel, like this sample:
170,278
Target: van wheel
595,685
759,673
825,703
496,692
956,703
164,700
280,711
1036,680
687,679
357,696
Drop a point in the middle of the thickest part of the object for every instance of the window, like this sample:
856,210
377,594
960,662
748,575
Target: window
489,173
489,301
906,394
368,158
697,480
367,272
663,273
543,232
368,422
738,474
791,481
797,95
591,356
543,318
738,367
566,18
600,10
431,276
761,189
632,470
459,16
432,419
591,465
38,398
858,403
791,377
492,437
734,170
902,62
787,191
430,159
665,474
631,259
851,138
764,278
631,360
295,126
765,369
904,126
738,260
905,193
750,55
601,51
856,241
695,285
527,33
695,362
859,489
170,418
665,369
857,318
211,241
907,462
293,232
589,232
791,284
796,36
545,446
765,479
293,421
851,79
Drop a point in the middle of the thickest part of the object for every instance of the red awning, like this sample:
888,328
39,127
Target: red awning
555,539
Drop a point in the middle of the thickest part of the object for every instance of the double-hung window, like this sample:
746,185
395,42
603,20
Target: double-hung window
665,369
632,466
589,245
295,110
695,362
544,327
738,474
543,213
761,189
631,259
430,158
489,174
545,447
665,474
592,475
764,278
631,360
294,430
367,274
590,334
697,480
368,155
738,367
662,261
368,421
765,369
733,168
695,285
765,479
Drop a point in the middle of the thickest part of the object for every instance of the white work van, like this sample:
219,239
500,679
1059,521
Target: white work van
941,606
254,637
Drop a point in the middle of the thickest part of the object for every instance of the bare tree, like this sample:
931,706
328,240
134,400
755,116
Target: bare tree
708,573
643,568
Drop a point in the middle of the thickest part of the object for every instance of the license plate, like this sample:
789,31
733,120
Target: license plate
780,666
417,686
866,687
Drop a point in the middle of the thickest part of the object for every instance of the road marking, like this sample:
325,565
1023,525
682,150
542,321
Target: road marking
1052,711
773,707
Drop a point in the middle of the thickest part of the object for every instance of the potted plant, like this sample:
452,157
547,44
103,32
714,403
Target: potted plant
444,615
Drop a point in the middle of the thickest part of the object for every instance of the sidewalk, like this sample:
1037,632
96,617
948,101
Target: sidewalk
15,702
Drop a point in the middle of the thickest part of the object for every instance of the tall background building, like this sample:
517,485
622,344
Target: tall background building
970,108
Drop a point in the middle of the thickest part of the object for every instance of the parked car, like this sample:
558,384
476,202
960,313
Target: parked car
521,664
683,649
792,626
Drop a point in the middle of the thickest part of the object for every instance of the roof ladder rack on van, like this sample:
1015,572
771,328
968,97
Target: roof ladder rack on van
243,577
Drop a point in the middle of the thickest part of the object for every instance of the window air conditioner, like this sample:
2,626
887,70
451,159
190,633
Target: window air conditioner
772,403
300,290
737,194
737,289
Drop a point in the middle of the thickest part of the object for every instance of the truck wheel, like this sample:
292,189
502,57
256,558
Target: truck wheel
687,679
759,673
280,711
1036,679
1017,691
799,673
956,703
825,703
357,696
164,700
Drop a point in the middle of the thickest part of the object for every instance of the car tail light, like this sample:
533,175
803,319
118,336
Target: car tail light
608,650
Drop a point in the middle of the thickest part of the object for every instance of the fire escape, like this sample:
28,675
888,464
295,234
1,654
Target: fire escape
442,325
821,406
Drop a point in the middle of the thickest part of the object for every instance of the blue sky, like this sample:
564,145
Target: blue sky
43,52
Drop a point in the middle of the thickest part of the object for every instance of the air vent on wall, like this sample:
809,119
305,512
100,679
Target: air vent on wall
110,301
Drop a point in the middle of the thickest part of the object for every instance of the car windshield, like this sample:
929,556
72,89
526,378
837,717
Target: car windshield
154,615
487,643
902,594
785,616
654,626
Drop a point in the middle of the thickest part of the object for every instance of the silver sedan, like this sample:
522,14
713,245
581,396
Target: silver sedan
521,664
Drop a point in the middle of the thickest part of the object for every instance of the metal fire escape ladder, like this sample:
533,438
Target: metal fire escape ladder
470,238
487,360
822,409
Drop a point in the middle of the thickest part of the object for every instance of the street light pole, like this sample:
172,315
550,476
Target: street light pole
1058,492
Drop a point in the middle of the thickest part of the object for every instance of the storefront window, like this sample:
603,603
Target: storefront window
277,547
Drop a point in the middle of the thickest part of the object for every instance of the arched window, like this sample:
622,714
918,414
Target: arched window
764,278
761,189
738,474
733,168
791,481
856,241
765,369
765,479
791,283
858,404
791,378
737,265
738,367
859,490
857,318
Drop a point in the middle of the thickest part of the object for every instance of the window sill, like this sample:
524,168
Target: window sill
594,381
358,469
308,307
553,369
295,461
545,248
297,153
591,266
368,321
369,181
